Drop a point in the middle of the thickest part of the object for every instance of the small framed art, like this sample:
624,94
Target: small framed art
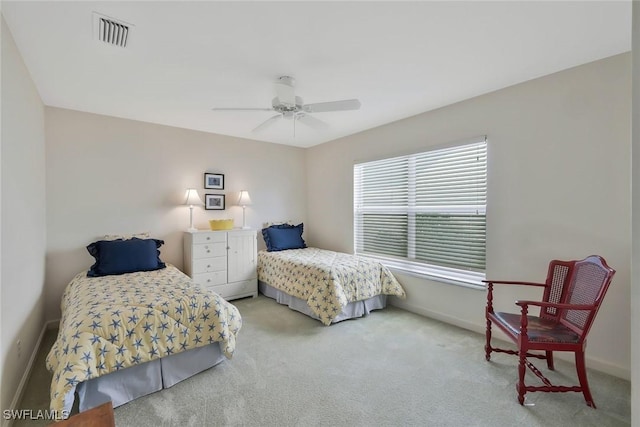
214,181
214,202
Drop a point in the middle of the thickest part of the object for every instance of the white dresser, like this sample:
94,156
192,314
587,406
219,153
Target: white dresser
223,261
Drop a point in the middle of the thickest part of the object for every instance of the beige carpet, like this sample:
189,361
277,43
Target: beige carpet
392,368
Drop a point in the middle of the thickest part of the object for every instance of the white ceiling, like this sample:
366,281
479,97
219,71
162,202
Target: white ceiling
399,58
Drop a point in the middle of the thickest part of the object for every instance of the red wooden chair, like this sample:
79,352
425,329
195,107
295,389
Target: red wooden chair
573,292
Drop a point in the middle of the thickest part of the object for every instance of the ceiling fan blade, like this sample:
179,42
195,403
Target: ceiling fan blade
312,122
284,90
242,109
321,107
267,123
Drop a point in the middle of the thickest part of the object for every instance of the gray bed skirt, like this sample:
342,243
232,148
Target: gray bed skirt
350,311
136,381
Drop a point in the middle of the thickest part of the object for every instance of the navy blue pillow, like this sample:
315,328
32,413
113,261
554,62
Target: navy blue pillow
283,237
265,234
125,256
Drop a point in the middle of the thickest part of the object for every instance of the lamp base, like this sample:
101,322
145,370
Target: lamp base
192,229
244,219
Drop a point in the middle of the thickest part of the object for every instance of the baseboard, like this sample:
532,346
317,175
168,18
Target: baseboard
438,316
596,364
52,324
607,368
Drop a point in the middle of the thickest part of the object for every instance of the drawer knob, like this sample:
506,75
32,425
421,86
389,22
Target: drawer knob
208,266
208,251
208,238
208,280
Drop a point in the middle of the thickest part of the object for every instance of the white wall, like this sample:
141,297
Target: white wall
23,217
558,187
109,175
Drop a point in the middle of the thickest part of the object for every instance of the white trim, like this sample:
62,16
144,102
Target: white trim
442,317
478,286
453,276
592,363
52,324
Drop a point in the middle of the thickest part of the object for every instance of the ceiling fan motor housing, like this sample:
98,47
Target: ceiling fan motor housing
285,108
287,80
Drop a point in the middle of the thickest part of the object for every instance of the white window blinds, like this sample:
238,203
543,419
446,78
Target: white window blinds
427,209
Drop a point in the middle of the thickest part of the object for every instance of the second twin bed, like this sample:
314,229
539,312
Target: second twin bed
325,285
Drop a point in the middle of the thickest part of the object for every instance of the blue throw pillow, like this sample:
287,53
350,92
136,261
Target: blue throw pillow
125,256
280,238
265,233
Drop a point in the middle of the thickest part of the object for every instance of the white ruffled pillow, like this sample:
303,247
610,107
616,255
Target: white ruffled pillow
143,235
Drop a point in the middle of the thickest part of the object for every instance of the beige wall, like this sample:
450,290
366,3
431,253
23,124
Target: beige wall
558,187
109,175
23,217
635,195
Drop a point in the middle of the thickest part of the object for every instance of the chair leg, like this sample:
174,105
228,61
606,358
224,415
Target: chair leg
487,347
582,377
550,360
522,357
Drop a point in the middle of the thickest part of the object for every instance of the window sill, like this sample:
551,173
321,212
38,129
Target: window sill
467,279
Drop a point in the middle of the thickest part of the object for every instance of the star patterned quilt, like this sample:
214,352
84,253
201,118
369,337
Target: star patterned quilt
113,322
326,280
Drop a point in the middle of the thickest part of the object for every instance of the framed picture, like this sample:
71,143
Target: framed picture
214,181
214,201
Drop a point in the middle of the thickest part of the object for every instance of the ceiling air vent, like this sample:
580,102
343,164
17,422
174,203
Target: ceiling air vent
111,31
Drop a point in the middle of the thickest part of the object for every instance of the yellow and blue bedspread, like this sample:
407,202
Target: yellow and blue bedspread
113,322
326,280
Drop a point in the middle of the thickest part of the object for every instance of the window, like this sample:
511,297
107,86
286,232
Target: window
425,213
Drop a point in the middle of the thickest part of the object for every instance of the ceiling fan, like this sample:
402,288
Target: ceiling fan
291,107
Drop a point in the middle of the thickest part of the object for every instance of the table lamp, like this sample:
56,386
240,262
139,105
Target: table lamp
244,200
192,199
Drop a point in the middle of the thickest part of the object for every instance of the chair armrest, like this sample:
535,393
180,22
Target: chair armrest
503,282
554,305
490,284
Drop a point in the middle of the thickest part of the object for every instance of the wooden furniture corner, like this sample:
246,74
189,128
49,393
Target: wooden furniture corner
100,416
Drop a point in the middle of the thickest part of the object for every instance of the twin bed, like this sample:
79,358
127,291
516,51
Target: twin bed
128,334
325,285
131,333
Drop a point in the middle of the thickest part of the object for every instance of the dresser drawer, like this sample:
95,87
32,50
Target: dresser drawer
209,250
209,265
211,279
237,289
199,238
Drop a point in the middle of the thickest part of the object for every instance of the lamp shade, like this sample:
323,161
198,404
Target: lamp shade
192,198
244,199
